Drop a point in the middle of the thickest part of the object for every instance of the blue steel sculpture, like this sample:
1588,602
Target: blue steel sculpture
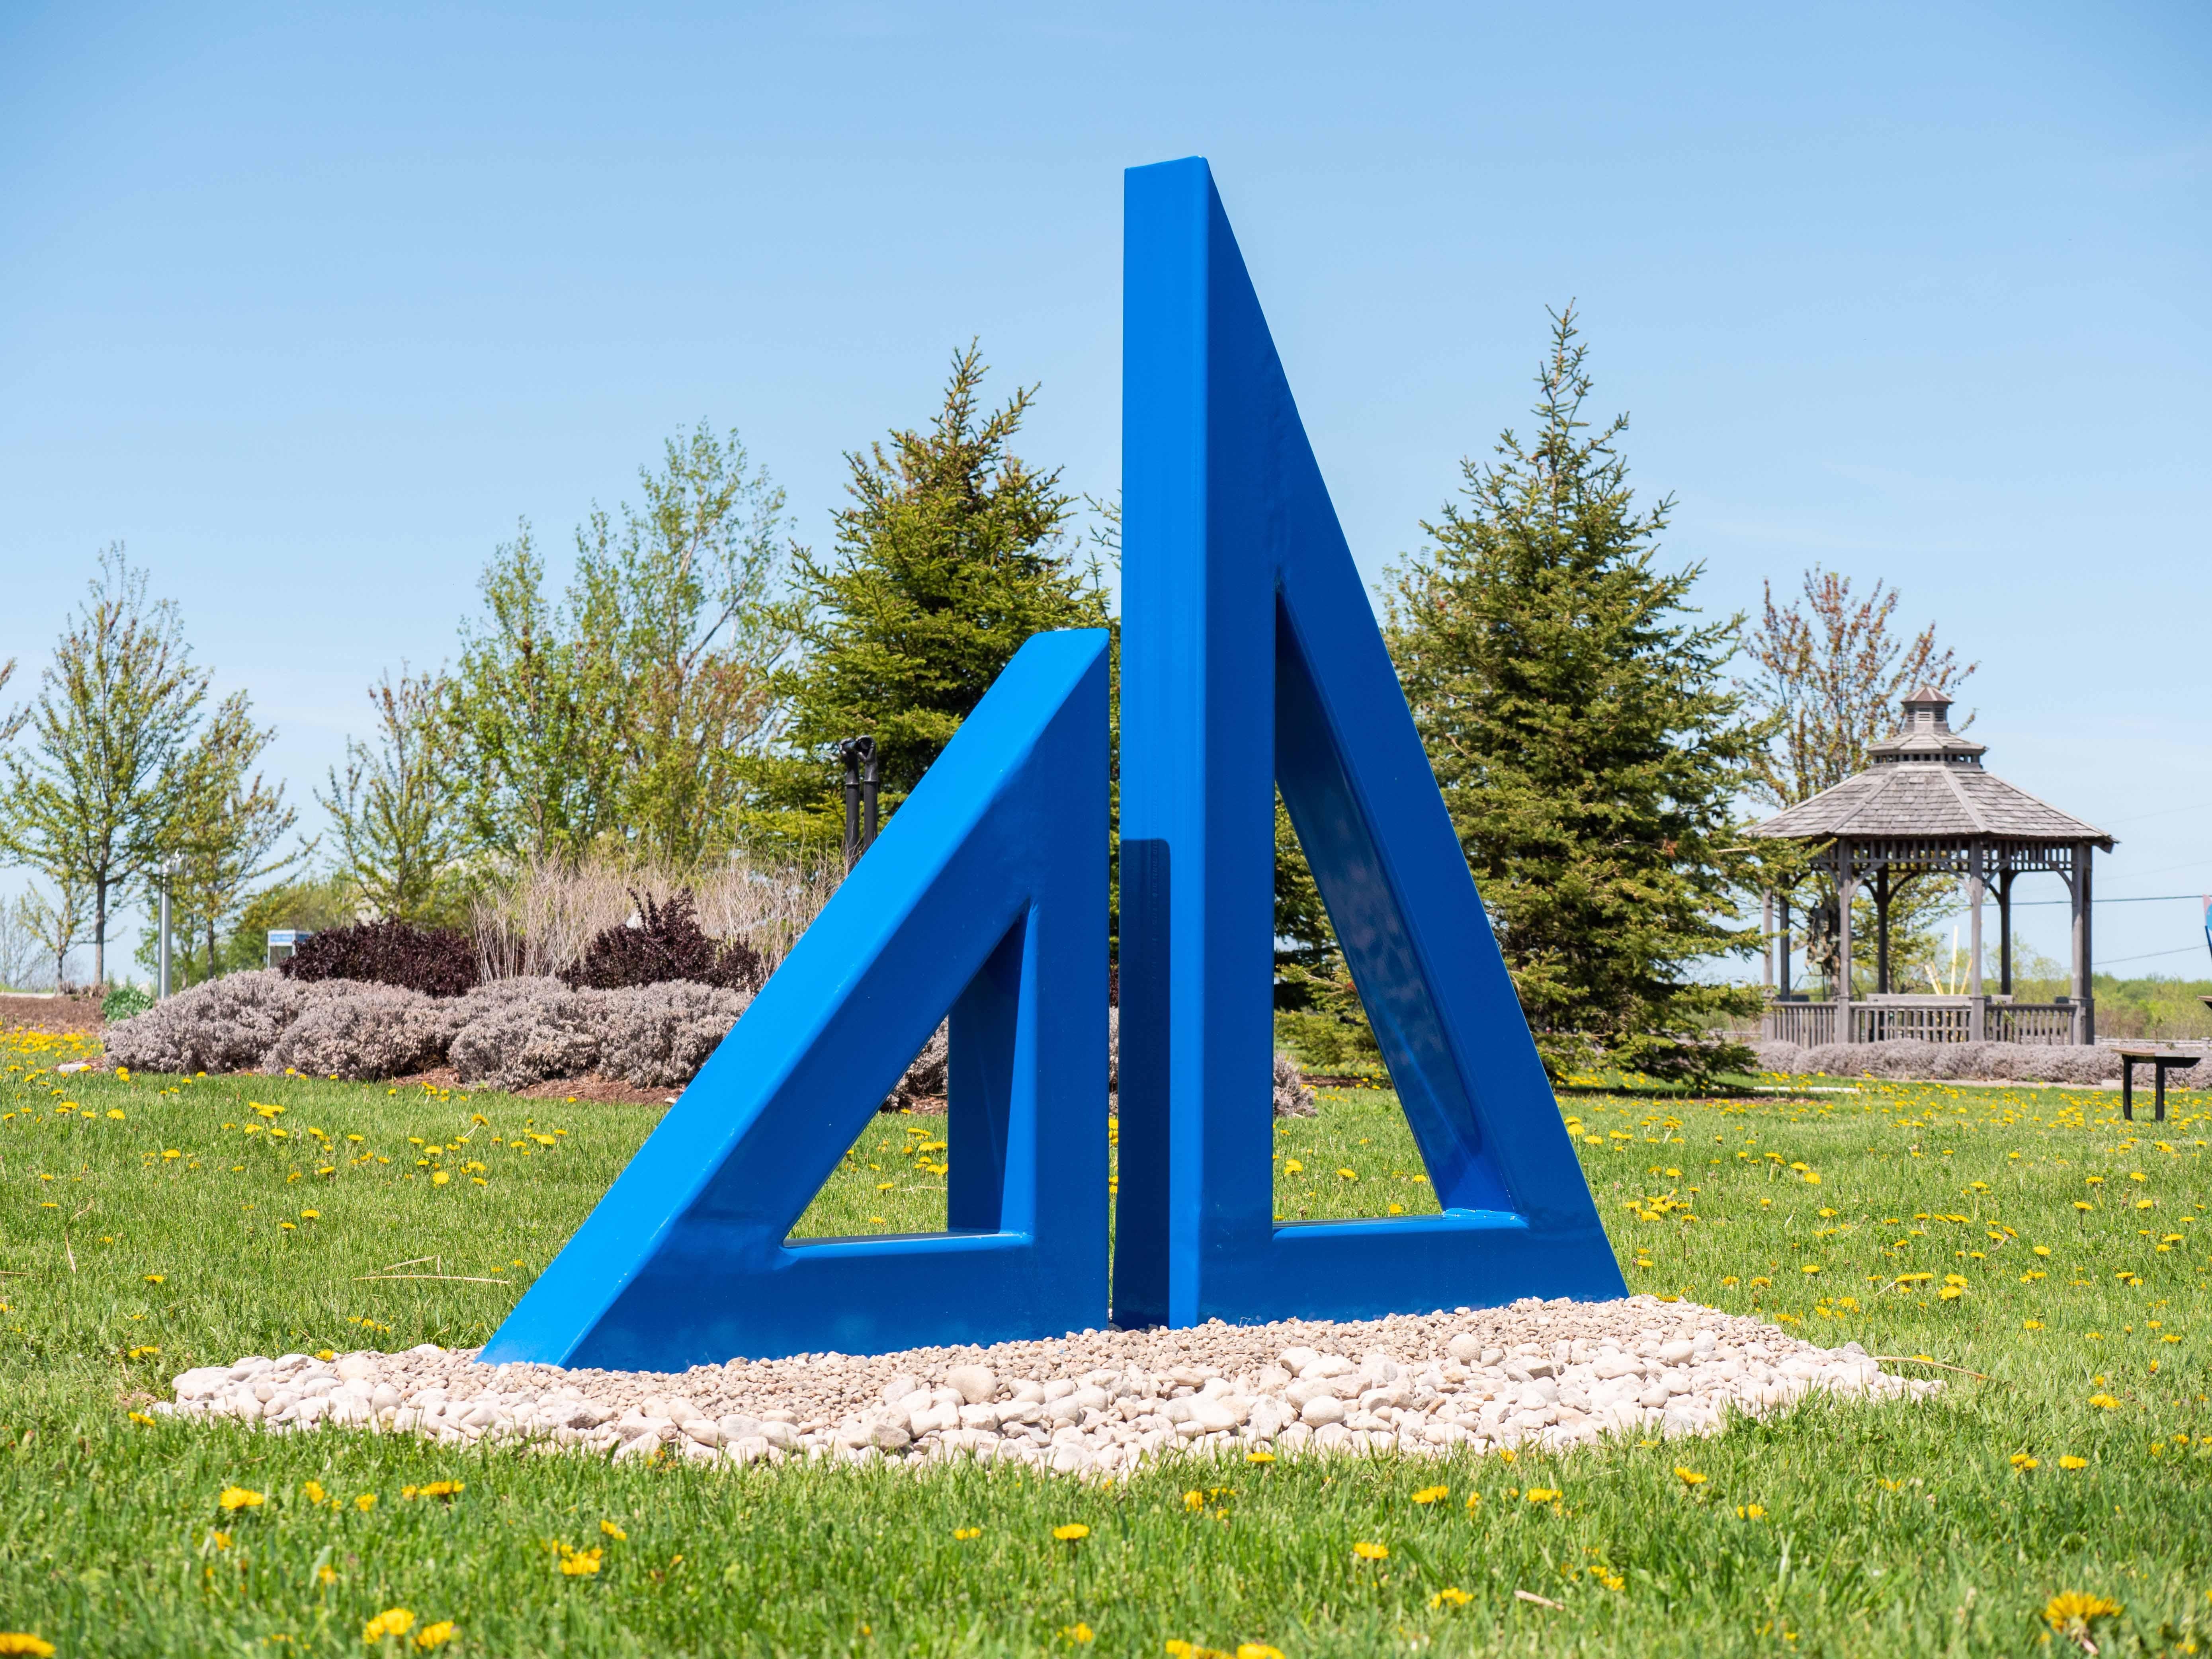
986,894
1251,658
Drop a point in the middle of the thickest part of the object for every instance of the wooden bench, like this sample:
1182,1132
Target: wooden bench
2161,1061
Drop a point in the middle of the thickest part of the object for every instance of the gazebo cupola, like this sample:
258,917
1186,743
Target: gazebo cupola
1926,806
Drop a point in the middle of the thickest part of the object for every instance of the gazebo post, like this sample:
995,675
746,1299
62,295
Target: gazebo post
1846,889
1782,936
2085,1019
2004,932
1976,894
1766,938
1881,930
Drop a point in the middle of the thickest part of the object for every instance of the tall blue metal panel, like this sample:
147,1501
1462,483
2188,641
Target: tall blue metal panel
1250,656
985,895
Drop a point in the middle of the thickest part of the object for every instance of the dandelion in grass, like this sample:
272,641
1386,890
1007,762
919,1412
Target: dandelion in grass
446,1489
1751,1512
311,1491
1193,1500
1431,1494
1080,1633
1474,1501
1688,1477
2106,1401
326,1575
231,1499
580,1564
136,1416
24,1641
1259,1457
392,1621
1367,1552
1451,1596
1073,1532
1543,1494
2072,1613
2022,1460
2072,1464
614,1532
435,1636
366,1502
1257,1650
963,1535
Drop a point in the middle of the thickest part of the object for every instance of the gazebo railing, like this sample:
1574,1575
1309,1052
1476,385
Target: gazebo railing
1806,1023
2033,1022
1922,1020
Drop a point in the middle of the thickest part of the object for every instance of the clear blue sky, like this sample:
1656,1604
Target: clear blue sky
308,304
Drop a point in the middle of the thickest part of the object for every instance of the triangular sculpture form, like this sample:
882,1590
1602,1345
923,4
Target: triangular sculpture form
1250,656
985,895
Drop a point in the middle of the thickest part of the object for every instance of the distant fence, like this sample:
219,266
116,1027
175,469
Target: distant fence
1922,1019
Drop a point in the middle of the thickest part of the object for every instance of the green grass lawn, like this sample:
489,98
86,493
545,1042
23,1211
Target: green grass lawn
168,1236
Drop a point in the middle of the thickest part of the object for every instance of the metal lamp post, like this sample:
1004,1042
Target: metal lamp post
863,773
168,874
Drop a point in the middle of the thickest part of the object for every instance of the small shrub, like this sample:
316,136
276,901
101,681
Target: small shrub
657,1036
124,1002
1292,1098
382,1032
227,1025
438,962
925,1085
666,943
547,1031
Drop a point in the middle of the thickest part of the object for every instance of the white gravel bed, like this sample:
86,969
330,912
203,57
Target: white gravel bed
1097,1403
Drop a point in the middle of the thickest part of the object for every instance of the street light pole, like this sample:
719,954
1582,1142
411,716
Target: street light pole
168,874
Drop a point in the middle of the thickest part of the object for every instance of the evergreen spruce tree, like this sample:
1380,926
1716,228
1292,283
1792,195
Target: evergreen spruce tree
1574,709
951,554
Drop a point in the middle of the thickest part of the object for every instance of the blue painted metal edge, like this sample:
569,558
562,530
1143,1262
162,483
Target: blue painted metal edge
985,895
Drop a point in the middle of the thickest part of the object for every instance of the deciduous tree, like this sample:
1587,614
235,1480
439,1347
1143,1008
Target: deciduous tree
89,805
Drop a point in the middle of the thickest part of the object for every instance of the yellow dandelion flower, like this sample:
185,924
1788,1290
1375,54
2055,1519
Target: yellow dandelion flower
2072,1463
157,1278
579,1563
1367,1552
232,1499
1473,1500
1259,1457
1072,1533
1193,1500
326,1575
1080,1633
1292,1166
961,1534
1751,1512
392,1621
440,1179
1348,1175
2022,1460
1541,1494
1431,1494
141,1418
614,1532
2072,1612
24,1641
1688,1477
311,1491
1257,1650
440,1489
366,1502
435,1636
2105,1400
1451,1595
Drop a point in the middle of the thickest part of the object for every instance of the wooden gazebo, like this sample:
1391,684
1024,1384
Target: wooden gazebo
1926,807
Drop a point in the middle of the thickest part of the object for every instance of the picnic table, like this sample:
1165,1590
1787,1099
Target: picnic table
2161,1061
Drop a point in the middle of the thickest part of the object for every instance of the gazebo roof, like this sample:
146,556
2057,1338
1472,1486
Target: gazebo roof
1927,783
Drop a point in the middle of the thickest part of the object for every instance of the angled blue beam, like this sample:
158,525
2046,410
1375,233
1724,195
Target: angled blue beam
1251,658
985,895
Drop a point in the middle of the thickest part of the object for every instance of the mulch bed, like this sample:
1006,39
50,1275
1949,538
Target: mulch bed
56,1014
